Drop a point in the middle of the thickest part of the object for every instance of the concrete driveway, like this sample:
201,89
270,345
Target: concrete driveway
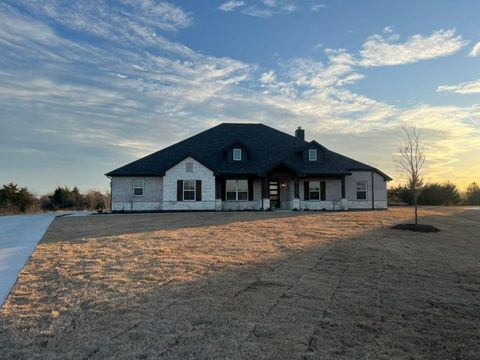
19,235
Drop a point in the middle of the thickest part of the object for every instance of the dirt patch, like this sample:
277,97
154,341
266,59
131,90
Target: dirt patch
416,227
249,285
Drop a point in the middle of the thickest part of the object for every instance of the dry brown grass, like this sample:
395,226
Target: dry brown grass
249,285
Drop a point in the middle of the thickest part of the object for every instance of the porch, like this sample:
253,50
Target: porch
282,188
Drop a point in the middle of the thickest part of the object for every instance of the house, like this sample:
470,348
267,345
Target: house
247,167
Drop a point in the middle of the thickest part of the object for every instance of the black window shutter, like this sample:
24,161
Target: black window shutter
323,188
198,190
223,184
250,189
306,194
179,190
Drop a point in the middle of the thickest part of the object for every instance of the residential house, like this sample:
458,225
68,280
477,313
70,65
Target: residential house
247,167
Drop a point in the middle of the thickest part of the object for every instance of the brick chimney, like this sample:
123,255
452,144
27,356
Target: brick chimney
300,133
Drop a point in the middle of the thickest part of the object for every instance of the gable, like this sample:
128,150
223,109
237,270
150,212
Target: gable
188,167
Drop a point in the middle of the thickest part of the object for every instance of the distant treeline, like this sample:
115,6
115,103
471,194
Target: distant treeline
445,193
15,199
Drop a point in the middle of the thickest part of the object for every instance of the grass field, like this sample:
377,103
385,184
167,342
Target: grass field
249,285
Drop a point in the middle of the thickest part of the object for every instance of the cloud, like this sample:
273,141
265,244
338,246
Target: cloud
255,11
138,22
269,3
260,9
475,50
317,7
466,88
268,77
231,5
317,47
381,51
118,88
450,133
114,95
388,30
317,95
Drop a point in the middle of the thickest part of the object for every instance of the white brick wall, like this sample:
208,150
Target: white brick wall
333,188
124,200
379,188
178,172
241,205
160,193
320,205
333,195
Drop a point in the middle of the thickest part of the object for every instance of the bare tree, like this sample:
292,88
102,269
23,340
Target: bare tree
411,158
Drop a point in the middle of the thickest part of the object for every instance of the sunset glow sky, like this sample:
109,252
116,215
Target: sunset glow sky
88,86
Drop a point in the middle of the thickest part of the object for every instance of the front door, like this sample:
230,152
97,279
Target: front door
274,193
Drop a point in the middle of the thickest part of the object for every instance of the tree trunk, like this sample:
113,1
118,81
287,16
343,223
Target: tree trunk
415,203
416,214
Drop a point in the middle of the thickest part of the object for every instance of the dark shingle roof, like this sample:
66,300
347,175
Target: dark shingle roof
267,148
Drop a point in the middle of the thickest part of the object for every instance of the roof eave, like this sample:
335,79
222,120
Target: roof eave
385,176
111,174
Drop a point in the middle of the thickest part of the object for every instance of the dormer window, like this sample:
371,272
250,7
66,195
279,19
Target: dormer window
237,154
312,154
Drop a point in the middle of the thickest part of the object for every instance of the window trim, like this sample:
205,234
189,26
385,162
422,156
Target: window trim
310,152
365,183
236,190
194,190
237,151
138,187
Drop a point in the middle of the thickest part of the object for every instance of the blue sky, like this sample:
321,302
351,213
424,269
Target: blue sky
88,86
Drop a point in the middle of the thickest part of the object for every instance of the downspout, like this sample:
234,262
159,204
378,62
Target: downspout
373,194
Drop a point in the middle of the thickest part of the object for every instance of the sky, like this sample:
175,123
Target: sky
88,86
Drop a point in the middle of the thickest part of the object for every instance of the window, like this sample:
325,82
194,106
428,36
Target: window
361,190
138,187
237,154
312,154
236,190
188,190
189,167
316,190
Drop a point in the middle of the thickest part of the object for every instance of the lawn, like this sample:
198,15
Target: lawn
249,285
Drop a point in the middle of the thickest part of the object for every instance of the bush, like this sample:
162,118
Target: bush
430,194
62,198
439,194
401,194
14,199
472,195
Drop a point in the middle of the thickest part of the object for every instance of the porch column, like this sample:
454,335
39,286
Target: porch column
344,201
265,197
296,194
218,193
